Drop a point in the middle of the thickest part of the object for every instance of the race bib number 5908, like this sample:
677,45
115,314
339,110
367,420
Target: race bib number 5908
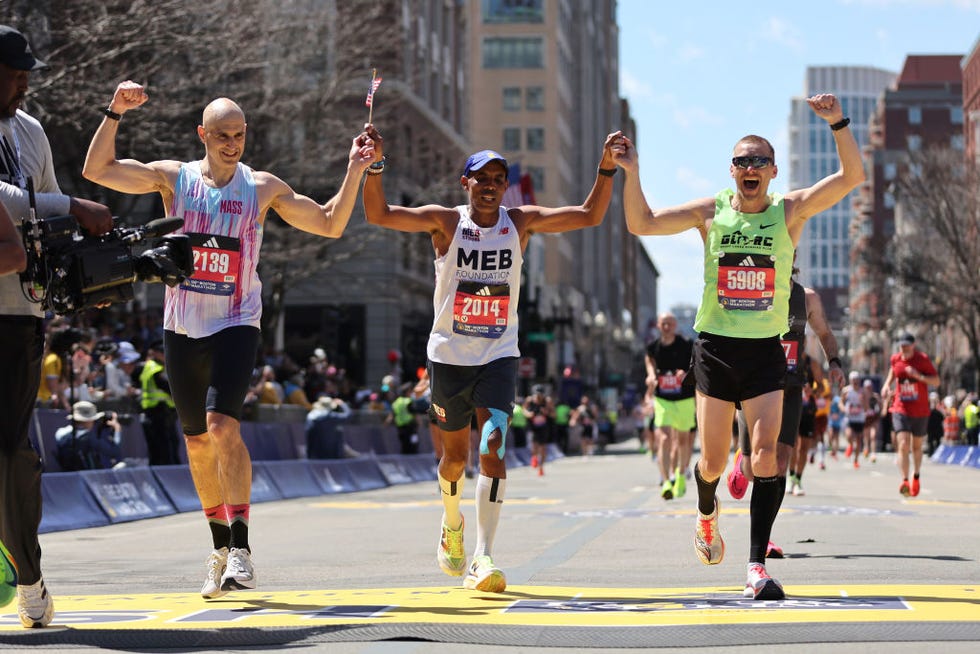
746,281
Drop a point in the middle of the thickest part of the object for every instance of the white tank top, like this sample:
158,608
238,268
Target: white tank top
226,235
478,286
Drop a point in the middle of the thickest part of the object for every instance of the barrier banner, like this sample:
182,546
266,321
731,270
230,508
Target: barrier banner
264,489
293,478
397,468
366,473
177,483
128,493
334,476
68,503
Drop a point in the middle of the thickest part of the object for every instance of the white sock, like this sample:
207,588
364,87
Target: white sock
452,495
489,498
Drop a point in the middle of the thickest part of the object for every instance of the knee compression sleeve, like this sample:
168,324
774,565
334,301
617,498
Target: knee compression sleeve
498,420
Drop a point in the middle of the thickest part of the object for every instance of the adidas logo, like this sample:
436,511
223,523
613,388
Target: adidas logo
211,243
747,261
483,291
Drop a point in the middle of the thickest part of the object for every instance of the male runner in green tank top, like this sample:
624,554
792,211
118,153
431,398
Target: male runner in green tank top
749,236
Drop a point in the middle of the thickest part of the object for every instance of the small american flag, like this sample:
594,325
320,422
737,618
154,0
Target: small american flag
375,83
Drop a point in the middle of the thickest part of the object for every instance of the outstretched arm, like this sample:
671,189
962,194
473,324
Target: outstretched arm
641,220
430,218
125,175
831,189
817,319
591,212
329,219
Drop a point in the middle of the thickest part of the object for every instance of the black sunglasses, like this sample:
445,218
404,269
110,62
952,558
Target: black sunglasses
754,161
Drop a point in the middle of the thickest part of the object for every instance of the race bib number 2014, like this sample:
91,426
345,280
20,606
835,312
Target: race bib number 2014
481,309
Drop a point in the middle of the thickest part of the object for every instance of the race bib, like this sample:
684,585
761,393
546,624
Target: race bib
669,384
216,262
746,281
481,309
792,351
908,391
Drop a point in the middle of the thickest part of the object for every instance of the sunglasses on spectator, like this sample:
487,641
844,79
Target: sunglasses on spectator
754,161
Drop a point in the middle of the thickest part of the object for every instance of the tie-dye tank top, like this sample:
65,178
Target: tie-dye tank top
226,235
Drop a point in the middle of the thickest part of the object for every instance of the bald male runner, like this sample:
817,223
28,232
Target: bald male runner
211,320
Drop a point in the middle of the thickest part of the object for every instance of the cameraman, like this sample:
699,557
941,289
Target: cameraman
91,441
25,153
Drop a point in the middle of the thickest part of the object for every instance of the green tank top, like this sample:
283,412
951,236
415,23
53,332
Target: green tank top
518,419
748,260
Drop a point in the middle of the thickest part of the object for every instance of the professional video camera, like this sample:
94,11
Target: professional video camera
68,270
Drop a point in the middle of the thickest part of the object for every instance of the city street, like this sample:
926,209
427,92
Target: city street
595,561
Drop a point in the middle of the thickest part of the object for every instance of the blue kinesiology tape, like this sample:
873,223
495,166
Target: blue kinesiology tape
498,420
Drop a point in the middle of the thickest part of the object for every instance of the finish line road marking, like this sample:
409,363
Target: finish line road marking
519,605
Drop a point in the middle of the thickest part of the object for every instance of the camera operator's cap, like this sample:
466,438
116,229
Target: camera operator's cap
15,51
84,411
906,339
480,159
128,353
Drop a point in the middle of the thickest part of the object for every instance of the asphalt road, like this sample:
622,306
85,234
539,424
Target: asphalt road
595,560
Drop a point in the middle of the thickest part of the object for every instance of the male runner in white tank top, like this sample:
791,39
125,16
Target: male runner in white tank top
473,344
211,335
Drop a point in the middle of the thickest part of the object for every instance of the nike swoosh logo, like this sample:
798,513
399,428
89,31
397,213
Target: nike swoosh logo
766,226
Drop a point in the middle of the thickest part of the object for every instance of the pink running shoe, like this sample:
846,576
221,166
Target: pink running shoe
737,483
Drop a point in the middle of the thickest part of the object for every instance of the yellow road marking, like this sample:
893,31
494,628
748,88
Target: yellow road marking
519,605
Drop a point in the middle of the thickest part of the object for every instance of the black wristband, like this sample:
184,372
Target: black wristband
832,360
844,122
109,113
607,172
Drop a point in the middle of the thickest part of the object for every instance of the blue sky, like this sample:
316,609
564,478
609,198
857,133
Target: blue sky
700,76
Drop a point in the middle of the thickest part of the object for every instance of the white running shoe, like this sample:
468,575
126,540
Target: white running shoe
34,605
216,563
484,575
761,586
239,573
450,553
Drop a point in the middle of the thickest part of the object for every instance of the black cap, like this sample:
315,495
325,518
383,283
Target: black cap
15,51
906,339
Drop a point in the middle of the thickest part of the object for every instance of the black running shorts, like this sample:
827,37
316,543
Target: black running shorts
735,369
457,391
210,374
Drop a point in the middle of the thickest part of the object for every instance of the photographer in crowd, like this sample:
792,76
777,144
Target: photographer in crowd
25,154
92,440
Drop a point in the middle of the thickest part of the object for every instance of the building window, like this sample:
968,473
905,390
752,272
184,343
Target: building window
513,11
513,52
512,98
534,98
535,138
957,142
914,142
512,139
536,173
956,115
915,115
890,171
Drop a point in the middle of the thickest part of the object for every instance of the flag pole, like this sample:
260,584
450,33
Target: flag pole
374,74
